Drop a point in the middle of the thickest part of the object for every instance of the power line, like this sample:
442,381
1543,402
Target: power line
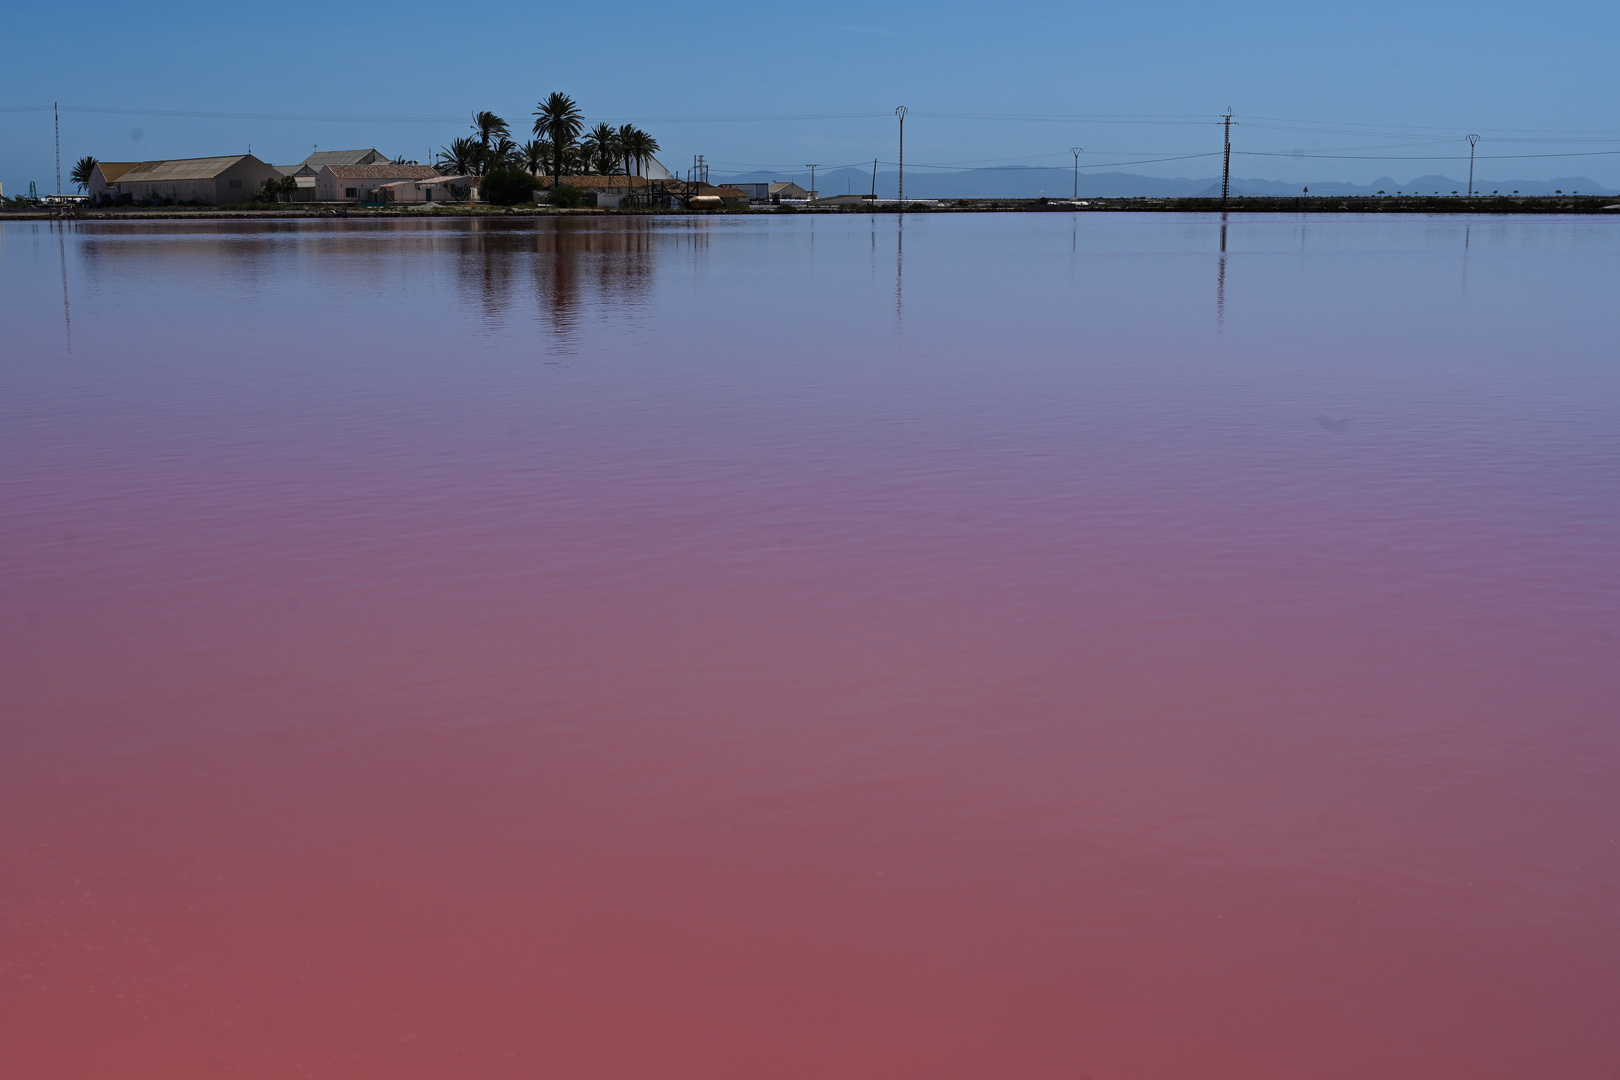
1420,157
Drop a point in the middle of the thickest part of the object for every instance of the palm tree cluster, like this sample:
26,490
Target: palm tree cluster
557,147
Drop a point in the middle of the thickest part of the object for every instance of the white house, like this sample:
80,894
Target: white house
362,183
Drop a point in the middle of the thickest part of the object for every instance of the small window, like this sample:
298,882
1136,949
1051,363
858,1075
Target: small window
235,184
351,193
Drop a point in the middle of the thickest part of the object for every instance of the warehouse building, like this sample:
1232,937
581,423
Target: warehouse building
213,181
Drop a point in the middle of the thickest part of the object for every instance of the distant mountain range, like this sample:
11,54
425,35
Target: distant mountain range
1030,183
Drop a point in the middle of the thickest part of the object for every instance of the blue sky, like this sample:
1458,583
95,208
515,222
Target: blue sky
1381,83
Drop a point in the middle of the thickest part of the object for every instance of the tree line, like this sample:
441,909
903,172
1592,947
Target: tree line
560,145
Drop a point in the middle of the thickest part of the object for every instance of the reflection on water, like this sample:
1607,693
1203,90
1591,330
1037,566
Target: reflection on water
553,262
899,268
589,647
67,310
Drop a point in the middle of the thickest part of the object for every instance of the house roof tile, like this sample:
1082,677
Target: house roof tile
381,172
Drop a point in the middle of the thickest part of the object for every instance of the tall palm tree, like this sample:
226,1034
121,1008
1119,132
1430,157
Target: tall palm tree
82,170
489,127
558,119
463,157
625,136
534,155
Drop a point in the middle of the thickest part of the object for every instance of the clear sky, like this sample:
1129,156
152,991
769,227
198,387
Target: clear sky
1375,88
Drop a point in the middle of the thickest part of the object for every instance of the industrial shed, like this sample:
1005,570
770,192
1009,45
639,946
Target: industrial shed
212,180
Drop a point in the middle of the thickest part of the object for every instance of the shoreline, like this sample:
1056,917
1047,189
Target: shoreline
1596,205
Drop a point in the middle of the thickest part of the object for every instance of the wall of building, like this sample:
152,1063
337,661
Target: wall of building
332,188
237,183
241,181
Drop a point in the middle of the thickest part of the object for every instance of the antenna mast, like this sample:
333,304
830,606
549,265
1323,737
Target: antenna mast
56,113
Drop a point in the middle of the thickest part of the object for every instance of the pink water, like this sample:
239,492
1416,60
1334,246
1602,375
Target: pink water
1028,647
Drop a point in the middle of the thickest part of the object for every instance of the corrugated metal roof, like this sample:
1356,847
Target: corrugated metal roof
345,157
382,172
204,168
112,170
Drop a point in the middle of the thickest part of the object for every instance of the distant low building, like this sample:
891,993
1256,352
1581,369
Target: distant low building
361,183
307,170
610,191
787,189
757,193
212,181
430,189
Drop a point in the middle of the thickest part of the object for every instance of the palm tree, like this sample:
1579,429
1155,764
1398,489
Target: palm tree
489,127
558,119
502,155
534,154
463,157
639,146
624,137
602,148
82,170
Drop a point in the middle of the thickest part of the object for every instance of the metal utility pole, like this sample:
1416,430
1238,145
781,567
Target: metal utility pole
1226,165
901,113
1473,141
874,178
812,169
1077,151
57,114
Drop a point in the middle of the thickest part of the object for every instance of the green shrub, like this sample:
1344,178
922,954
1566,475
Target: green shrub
507,187
567,196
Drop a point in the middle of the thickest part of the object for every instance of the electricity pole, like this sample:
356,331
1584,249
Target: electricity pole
901,113
1226,165
1076,151
56,113
813,169
1473,140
